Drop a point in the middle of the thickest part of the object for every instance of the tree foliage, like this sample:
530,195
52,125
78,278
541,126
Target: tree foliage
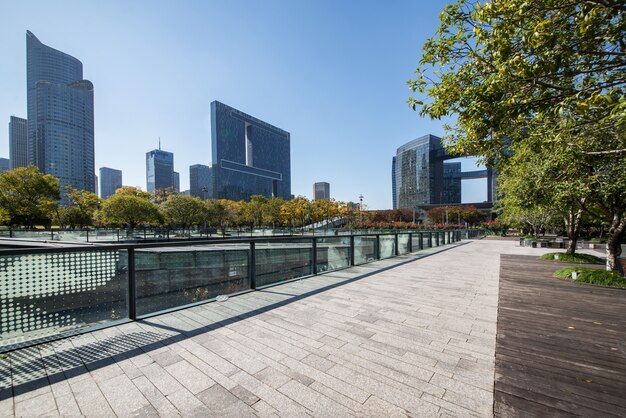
181,210
28,197
129,207
515,71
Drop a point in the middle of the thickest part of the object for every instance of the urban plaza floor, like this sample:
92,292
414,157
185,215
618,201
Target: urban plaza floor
475,328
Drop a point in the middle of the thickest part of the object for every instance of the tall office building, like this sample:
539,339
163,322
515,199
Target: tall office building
60,116
200,181
18,142
451,191
250,157
159,170
420,176
321,190
176,181
110,181
4,165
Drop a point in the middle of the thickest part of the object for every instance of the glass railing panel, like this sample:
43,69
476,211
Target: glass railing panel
387,246
415,241
170,277
403,243
280,261
333,253
49,295
364,249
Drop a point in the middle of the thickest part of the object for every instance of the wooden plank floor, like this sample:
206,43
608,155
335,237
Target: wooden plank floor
560,347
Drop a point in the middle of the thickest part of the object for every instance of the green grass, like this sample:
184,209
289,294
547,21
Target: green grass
592,276
574,258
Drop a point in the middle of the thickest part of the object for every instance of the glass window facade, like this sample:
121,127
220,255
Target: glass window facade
18,142
321,190
110,181
200,181
250,157
61,114
159,170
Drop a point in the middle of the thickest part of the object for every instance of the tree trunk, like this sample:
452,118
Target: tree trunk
572,226
613,242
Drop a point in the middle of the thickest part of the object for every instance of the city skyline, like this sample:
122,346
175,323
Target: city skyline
324,107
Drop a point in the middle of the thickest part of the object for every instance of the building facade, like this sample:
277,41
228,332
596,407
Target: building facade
60,116
110,181
451,191
159,170
420,175
250,157
5,165
200,181
18,142
321,190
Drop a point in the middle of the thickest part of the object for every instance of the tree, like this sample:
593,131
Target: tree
83,207
517,71
162,194
324,209
271,213
540,78
28,197
182,210
130,207
296,212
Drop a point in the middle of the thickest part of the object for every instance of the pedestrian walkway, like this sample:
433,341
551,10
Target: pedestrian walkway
413,335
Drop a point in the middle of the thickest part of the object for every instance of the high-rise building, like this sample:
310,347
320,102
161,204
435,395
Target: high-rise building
200,181
4,165
18,142
451,183
110,181
321,190
159,170
421,177
176,181
60,116
250,157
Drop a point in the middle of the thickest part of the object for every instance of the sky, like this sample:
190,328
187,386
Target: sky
331,72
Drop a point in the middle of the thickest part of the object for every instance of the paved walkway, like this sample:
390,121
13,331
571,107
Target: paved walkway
415,338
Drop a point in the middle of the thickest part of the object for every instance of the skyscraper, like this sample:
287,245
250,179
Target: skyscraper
110,181
60,116
321,190
18,142
250,157
159,170
4,165
200,181
176,181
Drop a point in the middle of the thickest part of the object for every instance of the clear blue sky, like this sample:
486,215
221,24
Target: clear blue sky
330,72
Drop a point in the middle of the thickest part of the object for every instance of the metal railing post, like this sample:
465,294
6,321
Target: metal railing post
87,235
351,249
421,243
396,244
132,286
410,242
377,249
314,258
51,234
252,265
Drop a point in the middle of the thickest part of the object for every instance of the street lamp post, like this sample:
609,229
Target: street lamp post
361,209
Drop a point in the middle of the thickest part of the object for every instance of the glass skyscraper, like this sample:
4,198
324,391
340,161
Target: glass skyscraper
321,190
200,181
250,157
159,170
110,181
421,177
60,116
18,142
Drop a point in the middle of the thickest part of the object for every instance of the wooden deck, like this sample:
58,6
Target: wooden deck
561,346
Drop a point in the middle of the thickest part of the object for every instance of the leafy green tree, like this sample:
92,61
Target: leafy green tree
28,197
182,210
128,206
519,71
83,207
540,79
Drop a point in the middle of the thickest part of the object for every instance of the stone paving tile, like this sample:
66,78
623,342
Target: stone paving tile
416,340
